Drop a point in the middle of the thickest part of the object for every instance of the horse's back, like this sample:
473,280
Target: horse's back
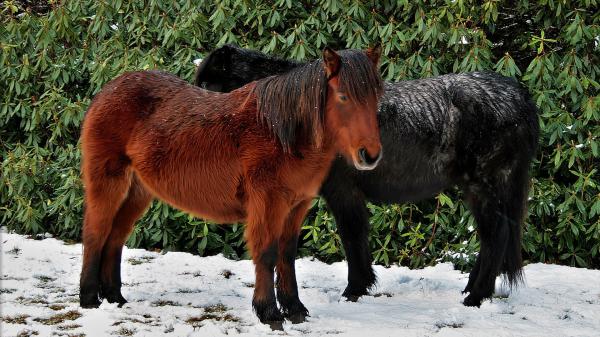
437,131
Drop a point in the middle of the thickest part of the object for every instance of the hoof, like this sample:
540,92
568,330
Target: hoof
298,317
352,295
116,298
275,325
89,302
472,301
268,313
351,298
297,313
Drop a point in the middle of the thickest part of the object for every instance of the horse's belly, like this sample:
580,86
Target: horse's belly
213,199
212,190
406,178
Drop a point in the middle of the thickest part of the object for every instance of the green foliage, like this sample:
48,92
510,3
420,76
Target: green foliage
56,55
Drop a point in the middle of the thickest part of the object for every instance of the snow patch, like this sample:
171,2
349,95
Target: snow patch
179,294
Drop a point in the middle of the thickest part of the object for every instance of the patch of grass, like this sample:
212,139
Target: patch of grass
194,274
125,331
17,319
59,318
67,334
248,284
216,308
227,273
57,306
71,299
453,325
187,291
139,260
383,294
27,333
147,321
31,300
15,251
68,327
44,278
162,303
7,290
215,312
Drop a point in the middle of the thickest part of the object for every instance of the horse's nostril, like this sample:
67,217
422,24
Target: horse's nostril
366,158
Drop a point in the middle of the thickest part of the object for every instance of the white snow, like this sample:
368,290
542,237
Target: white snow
169,293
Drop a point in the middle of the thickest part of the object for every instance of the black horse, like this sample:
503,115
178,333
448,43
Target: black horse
478,131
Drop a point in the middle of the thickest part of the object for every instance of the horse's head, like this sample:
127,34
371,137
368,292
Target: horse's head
354,88
230,67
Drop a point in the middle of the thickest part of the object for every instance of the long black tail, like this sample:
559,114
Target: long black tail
518,191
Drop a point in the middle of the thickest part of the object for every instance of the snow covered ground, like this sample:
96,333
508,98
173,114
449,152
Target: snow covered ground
178,294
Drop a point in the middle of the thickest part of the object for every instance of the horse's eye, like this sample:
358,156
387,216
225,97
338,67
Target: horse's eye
343,97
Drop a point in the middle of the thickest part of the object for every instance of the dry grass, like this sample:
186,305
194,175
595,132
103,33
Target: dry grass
59,318
17,319
214,312
57,306
68,327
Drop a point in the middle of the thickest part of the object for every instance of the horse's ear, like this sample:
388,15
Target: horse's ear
331,62
374,54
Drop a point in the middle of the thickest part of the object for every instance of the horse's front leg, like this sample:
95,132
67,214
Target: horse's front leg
348,205
266,214
287,288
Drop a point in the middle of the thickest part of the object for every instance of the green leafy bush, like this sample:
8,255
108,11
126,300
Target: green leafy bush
56,55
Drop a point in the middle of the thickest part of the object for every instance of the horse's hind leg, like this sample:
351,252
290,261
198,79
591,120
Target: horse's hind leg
499,212
287,288
493,231
103,197
133,207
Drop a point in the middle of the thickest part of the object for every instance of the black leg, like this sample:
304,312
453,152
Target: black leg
264,302
473,276
89,291
493,229
287,288
111,291
352,218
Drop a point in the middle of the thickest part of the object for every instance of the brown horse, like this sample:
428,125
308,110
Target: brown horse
258,155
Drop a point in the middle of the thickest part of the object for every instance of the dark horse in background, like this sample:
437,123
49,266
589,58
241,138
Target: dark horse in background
478,131
257,155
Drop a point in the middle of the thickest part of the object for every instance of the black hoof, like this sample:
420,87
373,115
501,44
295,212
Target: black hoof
352,295
115,297
295,312
275,325
351,298
298,317
89,301
472,301
268,313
